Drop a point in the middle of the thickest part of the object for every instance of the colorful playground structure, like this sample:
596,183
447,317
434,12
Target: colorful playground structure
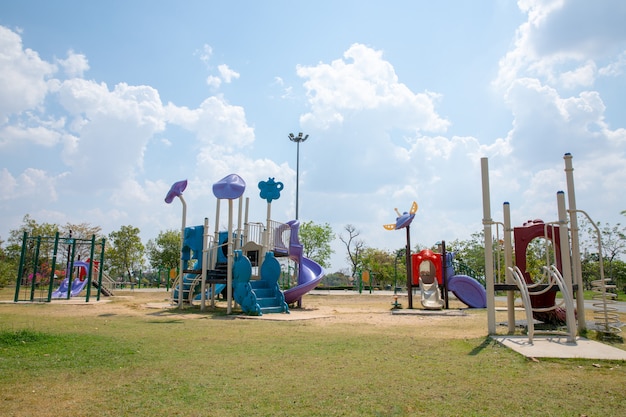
435,278
38,272
243,261
561,272
427,271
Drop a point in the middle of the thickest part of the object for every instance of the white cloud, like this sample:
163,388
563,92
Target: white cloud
227,74
75,65
564,41
23,76
364,81
213,81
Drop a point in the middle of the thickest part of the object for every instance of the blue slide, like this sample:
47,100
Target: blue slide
218,289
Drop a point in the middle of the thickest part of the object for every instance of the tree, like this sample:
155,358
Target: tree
471,252
44,248
354,247
84,232
316,240
613,241
8,267
164,251
33,229
380,263
124,252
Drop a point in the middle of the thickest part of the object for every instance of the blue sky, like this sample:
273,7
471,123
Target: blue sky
103,105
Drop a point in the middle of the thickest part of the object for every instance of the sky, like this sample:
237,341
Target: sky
104,105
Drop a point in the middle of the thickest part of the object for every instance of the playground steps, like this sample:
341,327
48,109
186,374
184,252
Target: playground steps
267,298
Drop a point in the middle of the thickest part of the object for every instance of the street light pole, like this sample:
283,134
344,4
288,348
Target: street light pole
298,139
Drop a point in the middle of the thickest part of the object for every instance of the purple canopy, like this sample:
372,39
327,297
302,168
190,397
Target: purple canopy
230,187
176,191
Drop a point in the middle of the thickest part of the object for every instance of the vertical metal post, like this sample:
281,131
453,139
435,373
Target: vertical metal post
181,273
577,274
508,256
20,272
409,278
444,275
229,264
298,139
71,268
35,268
205,250
100,266
487,222
53,266
90,273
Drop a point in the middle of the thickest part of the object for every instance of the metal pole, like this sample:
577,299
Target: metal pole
20,272
182,244
487,222
101,267
297,177
573,218
297,139
90,274
35,268
229,265
409,279
508,256
53,266
205,251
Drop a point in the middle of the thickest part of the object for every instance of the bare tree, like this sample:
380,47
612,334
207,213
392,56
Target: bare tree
354,247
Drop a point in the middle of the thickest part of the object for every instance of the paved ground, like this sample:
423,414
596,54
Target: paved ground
559,347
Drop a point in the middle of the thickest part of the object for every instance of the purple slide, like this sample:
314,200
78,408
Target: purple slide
77,284
310,273
468,290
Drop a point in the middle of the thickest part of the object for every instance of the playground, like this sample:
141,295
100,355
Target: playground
226,339
340,354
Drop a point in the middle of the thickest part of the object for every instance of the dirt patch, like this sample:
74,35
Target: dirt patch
318,309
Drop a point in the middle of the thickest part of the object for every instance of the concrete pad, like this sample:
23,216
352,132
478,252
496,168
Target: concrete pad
558,347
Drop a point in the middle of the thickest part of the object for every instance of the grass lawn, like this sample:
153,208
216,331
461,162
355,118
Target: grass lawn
350,358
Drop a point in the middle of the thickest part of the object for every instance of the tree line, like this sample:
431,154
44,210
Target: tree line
127,259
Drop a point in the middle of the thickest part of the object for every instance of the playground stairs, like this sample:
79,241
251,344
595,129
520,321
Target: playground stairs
108,284
268,298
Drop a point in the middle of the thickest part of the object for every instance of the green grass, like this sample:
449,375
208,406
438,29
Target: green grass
200,364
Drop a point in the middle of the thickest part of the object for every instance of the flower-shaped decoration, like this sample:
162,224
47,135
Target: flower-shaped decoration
270,190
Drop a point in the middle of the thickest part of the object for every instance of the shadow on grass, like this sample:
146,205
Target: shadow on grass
487,341
212,313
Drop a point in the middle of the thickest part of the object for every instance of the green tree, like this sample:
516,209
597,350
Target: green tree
164,251
471,252
316,241
45,246
8,267
33,229
613,242
380,263
124,252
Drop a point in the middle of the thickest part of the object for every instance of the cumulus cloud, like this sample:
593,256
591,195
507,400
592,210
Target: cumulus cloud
23,76
75,65
364,81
